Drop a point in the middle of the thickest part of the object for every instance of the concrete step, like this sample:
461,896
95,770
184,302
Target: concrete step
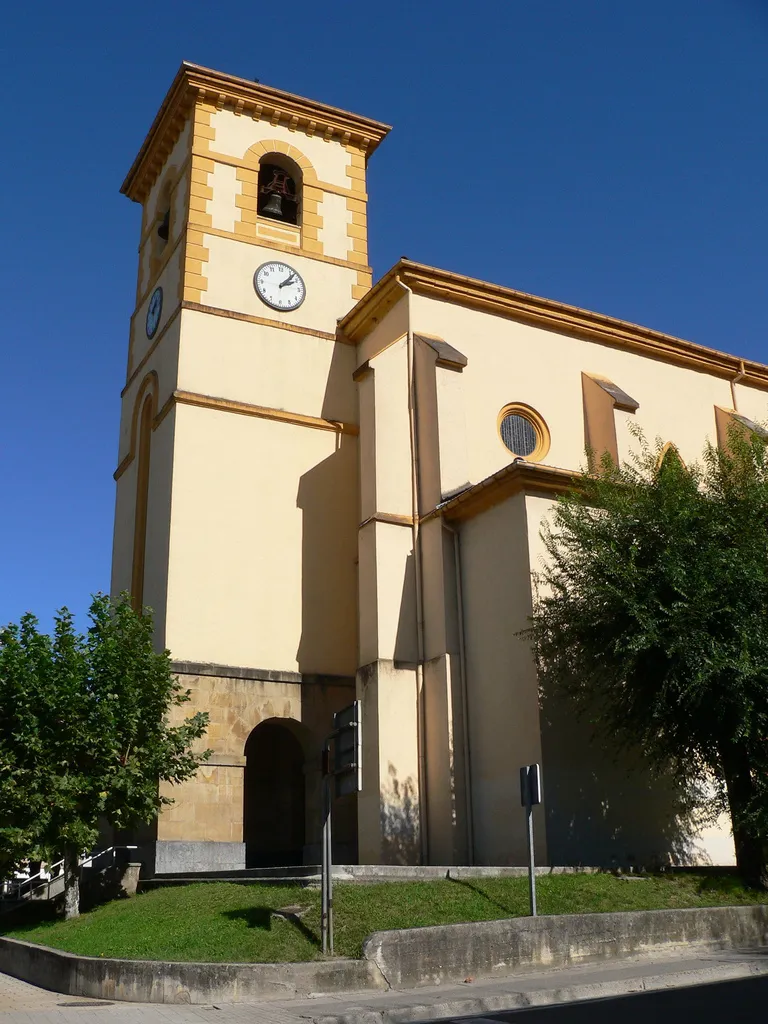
363,873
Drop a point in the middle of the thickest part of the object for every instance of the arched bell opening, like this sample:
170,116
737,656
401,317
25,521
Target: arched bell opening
274,808
161,224
280,183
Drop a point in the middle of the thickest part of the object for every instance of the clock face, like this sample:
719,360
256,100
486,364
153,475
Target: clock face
279,285
154,309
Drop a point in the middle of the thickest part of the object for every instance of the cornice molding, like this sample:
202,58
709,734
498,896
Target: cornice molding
527,477
262,321
195,84
228,405
555,316
390,518
263,412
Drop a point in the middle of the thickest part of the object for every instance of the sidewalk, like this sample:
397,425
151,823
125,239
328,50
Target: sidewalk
23,1004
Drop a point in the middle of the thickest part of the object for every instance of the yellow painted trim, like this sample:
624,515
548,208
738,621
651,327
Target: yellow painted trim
224,405
168,404
391,518
252,239
231,314
505,302
253,155
151,384
670,446
263,412
530,478
265,230
138,558
316,187
208,90
543,438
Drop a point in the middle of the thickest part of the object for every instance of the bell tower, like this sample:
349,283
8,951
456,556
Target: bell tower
237,496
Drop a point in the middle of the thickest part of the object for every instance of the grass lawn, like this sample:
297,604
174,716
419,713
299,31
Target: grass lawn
225,922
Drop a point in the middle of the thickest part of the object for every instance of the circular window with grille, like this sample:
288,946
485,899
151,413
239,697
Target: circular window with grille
523,432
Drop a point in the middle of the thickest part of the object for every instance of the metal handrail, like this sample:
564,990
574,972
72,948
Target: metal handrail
24,887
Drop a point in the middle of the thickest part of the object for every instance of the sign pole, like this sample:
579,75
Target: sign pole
329,868
324,870
530,795
342,773
531,865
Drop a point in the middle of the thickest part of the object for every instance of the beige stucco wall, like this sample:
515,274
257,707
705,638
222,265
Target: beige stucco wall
170,281
504,730
230,271
390,328
452,419
515,362
388,806
336,217
159,523
263,544
387,599
164,363
603,807
122,538
267,366
392,431
234,135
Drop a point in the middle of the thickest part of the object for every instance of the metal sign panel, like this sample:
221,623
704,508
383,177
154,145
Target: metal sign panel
530,785
348,749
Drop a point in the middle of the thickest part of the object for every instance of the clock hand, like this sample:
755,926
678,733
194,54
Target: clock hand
288,280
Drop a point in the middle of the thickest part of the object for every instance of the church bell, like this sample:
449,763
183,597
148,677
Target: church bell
273,206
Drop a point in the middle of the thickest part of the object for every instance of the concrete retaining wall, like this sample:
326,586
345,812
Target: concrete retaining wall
409,958
151,981
413,957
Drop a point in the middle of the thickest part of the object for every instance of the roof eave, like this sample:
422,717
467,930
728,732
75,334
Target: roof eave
192,80
497,300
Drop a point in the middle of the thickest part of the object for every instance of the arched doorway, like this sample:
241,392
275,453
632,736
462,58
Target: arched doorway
274,798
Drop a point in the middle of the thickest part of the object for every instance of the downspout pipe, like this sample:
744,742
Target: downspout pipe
464,694
739,376
420,695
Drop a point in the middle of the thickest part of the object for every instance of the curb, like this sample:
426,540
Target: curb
546,996
401,960
164,981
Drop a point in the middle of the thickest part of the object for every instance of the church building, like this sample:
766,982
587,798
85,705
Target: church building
330,489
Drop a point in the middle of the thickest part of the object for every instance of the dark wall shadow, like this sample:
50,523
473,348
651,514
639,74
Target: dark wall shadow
605,807
328,498
406,646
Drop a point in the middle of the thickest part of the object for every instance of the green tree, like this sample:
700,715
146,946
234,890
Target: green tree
652,617
85,736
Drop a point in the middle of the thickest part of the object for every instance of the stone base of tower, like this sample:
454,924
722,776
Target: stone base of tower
257,801
179,857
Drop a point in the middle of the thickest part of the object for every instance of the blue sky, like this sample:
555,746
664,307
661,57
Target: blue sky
624,144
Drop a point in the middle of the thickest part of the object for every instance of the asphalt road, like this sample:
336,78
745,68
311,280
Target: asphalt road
727,1002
